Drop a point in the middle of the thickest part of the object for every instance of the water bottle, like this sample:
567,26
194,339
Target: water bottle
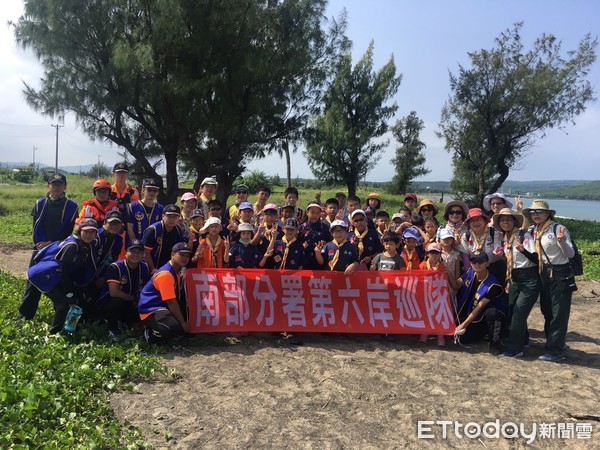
73,317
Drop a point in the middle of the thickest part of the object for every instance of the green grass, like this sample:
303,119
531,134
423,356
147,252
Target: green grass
54,389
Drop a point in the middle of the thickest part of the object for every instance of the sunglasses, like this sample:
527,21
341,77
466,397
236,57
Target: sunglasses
455,211
426,208
477,261
537,211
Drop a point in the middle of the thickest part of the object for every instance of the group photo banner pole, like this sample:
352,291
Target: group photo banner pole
394,302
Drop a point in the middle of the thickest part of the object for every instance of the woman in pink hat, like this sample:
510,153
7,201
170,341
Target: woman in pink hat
480,237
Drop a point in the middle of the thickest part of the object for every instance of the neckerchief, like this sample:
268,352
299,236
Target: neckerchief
408,258
479,243
510,238
537,234
214,251
360,246
336,257
288,244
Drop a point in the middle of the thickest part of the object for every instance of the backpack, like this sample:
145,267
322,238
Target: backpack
576,261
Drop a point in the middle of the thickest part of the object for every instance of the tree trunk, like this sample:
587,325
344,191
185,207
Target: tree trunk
288,162
172,178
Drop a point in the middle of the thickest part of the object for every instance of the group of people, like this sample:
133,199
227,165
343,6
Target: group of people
122,257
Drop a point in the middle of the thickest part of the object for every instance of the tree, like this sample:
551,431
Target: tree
507,100
409,160
205,83
343,142
99,170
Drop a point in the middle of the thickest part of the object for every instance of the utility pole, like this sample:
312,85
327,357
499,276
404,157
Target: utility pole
34,149
57,126
98,167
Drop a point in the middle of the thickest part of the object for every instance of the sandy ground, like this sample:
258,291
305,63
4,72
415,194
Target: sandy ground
359,392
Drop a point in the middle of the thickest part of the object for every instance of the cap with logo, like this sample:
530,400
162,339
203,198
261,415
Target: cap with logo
56,178
181,247
290,224
478,255
87,223
210,180
149,182
196,213
411,233
338,223
136,243
172,209
121,167
112,216
246,205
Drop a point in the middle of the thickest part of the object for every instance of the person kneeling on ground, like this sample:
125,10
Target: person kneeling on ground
481,306
162,299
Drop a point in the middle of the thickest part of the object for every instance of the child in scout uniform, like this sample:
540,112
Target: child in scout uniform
245,214
313,231
374,201
241,196
366,240
188,204
390,259
207,192
213,250
410,201
409,253
242,253
433,262
338,254
266,232
332,207
382,220
291,196
293,254
195,231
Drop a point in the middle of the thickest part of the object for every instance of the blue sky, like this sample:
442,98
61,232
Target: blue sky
427,38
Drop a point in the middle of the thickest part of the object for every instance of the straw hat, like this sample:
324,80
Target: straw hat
462,206
427,202
507,212
539,204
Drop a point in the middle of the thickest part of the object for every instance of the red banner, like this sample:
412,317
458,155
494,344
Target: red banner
231,300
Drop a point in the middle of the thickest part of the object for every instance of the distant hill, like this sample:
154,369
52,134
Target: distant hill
66,169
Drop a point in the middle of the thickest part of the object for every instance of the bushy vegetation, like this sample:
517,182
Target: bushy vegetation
54,389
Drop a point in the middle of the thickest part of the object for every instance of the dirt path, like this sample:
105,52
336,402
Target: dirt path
358,392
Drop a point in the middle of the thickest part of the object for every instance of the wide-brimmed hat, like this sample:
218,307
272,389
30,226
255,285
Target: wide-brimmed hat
539,204
211,221
488,199
427,202
458,203
476,212
507,212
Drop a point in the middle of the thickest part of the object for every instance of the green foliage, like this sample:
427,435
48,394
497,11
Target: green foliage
507,100
204,83
343,142
254,180
409,161
24,174
587,236
54,389
99,170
